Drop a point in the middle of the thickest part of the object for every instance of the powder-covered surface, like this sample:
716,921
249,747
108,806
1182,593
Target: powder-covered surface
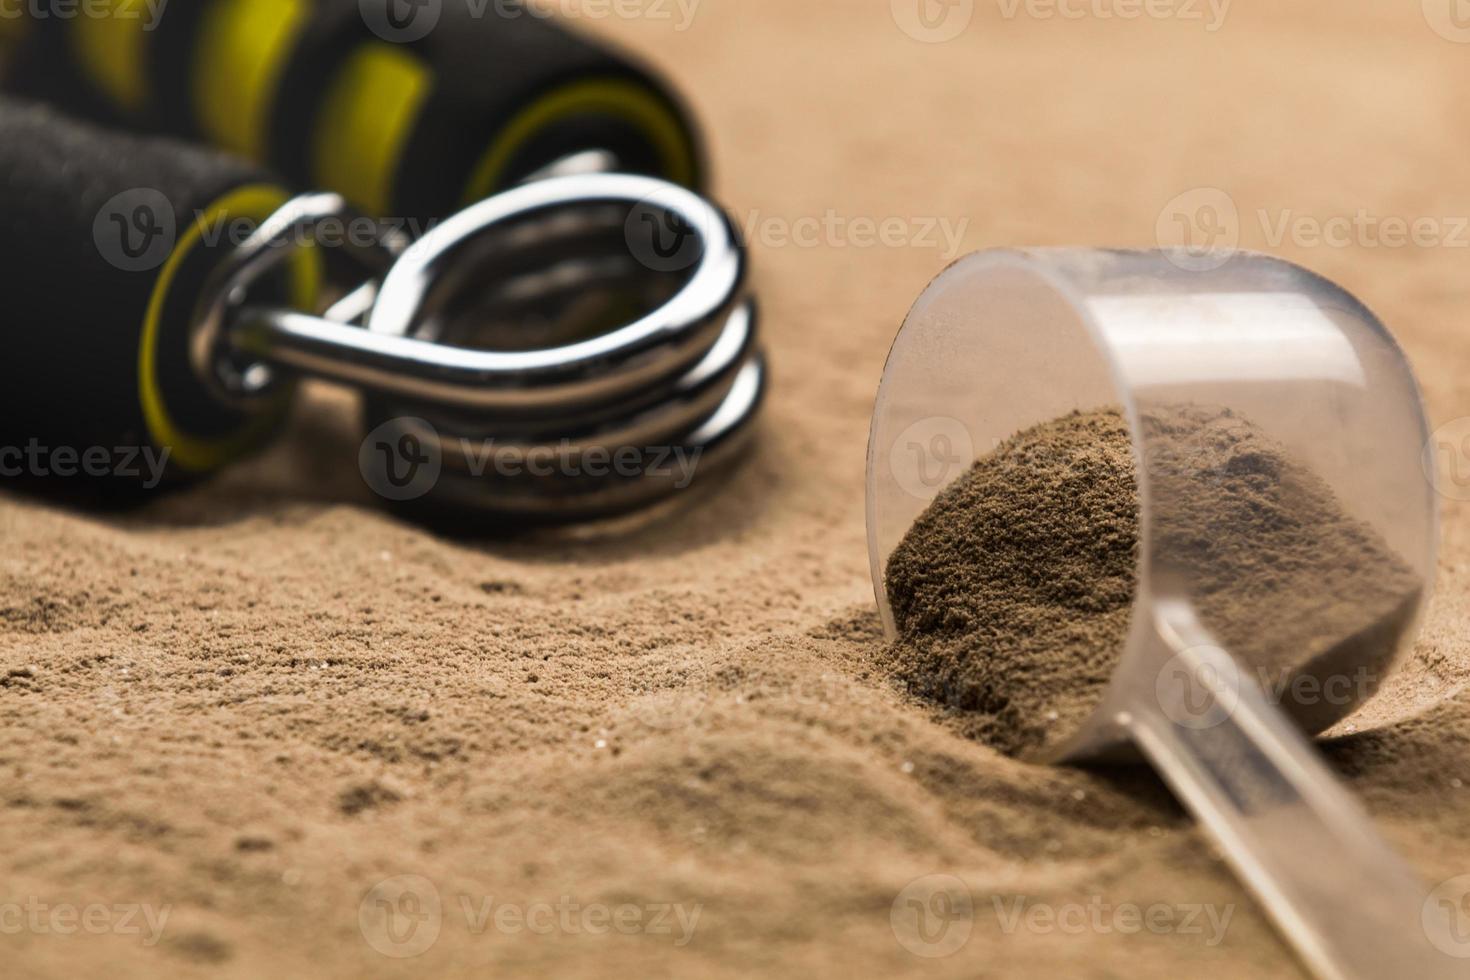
1012,592
258,700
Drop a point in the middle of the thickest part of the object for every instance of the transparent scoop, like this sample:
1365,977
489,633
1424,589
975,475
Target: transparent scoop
1005,340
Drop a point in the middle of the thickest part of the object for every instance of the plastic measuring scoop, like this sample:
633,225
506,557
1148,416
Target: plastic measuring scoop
1005,340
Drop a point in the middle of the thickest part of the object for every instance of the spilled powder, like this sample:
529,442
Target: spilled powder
1012,593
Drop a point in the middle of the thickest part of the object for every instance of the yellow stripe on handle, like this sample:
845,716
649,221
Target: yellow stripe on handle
364,123
254,202
242,51
110,42
618,98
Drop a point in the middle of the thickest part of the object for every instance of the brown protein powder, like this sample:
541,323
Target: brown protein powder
1012,593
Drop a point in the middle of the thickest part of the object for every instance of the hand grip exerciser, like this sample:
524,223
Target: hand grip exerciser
163,296
407,110
1004,341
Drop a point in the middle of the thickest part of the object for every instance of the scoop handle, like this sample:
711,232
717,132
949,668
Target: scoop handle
1339,895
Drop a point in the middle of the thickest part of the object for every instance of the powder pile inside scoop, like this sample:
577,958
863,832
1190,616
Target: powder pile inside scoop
1012,593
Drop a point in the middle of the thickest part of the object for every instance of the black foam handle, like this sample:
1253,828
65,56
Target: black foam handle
502,91
107,240
411,109
543,93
